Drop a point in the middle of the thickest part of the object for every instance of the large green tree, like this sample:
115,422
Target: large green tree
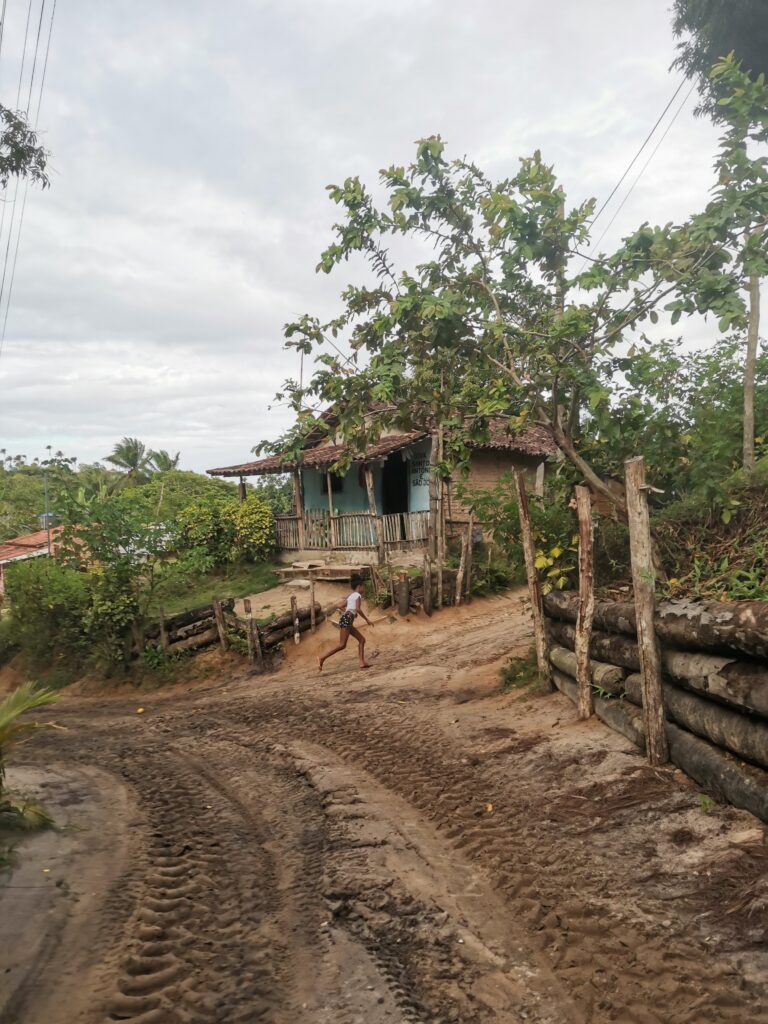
503,315
134,458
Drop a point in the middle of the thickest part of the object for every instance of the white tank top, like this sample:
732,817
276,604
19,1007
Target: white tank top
353,602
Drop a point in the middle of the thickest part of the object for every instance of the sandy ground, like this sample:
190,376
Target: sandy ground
397,845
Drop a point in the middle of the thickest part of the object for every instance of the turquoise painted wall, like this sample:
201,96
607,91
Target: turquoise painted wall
353,496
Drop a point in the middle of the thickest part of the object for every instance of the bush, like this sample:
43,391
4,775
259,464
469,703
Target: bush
229,531
49,610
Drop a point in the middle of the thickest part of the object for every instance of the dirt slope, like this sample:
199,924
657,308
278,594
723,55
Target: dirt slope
398,845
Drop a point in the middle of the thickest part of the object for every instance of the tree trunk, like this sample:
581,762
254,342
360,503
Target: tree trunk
299,509
742,735
742,684
643,584
709,625
748,456
742,785
433,502
586,600
534,587
608,677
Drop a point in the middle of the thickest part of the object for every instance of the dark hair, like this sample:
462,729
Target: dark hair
356,581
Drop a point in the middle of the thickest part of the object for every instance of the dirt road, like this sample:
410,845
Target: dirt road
399,845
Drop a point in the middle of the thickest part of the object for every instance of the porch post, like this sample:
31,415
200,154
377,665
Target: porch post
332,521
241,489
377,524
299,507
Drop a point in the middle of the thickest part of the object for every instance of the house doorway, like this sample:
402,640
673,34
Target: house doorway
394,485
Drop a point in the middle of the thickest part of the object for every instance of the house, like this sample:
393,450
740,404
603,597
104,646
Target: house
383,499
19,549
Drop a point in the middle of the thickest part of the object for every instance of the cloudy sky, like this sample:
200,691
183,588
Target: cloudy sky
191,143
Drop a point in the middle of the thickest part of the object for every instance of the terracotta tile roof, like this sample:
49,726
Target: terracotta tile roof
321,458
26,546
534,441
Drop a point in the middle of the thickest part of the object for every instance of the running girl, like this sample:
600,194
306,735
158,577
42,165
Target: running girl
350,609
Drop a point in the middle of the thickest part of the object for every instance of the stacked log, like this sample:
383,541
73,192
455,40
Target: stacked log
715,685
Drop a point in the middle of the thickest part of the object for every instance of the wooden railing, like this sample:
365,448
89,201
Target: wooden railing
351,530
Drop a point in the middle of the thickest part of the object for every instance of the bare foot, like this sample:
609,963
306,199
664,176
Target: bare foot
365,665
320,664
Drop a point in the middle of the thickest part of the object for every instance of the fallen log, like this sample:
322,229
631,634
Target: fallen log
716,771
286,619
608,677
742,735
193,643
276,636
741,684
192,630
719,626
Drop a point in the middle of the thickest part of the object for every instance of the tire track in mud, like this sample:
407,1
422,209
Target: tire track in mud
198,946
615,969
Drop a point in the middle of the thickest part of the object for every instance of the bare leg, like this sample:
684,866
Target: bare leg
360,646
343,637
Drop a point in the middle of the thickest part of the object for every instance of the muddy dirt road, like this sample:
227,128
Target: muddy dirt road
399,845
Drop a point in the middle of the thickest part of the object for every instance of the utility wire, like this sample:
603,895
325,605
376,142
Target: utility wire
636,157
23,54
2,25
34,62
655,150
26,182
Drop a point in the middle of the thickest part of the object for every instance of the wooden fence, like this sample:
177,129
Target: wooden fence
691,676
351,530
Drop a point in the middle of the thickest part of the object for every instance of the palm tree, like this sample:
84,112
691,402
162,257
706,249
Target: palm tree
134,458
163,461
25,698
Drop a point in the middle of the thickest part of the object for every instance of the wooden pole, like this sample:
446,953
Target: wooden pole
299,508
643,582
163,634
433,485
404,594
377,524
219,616
241,489
427,586
331,520
295,616
586,612
312,609
255,654
534,587
470,530
392,597
460,573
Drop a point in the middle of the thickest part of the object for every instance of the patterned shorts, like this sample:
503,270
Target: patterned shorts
346,620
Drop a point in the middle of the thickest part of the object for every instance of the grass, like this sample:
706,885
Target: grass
234,581
519,673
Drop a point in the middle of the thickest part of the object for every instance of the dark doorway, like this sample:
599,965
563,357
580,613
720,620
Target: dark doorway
394,485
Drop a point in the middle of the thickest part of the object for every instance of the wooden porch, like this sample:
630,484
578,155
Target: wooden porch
318,530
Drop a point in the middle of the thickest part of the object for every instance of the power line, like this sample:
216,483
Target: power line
2,25
655,150
26,182
23,54
635,158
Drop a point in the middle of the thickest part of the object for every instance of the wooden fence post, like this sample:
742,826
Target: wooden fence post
312,611
534,587
643,583
219,616
255,654
295,616
163,634
403,594
460,573
470,531
586,610
427,586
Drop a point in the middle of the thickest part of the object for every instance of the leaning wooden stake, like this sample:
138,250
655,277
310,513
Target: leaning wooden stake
312,609
219,616
586,612
255,654
643,582
403,593
295,616
534,587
